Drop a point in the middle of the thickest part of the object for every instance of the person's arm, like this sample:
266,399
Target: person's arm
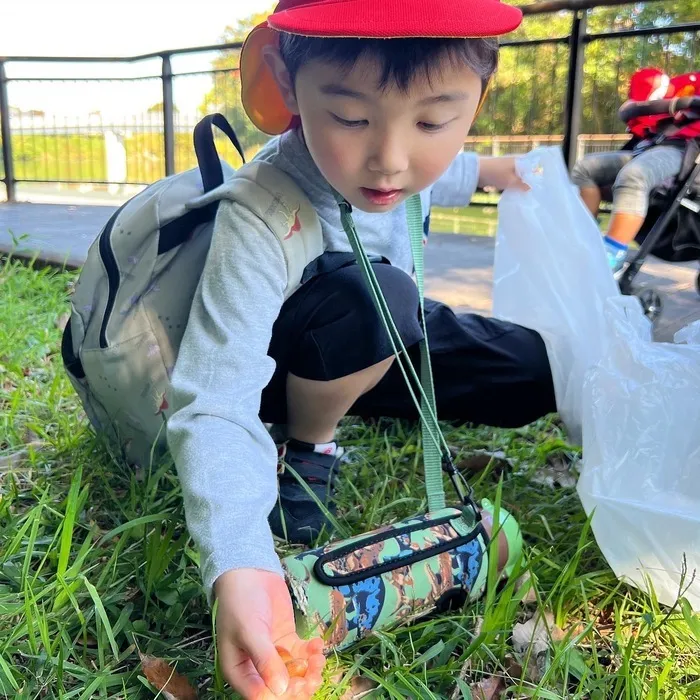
456,186
500,173
227,461
224,456
468,171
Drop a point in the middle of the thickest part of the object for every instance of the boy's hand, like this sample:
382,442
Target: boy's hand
500,174
255,614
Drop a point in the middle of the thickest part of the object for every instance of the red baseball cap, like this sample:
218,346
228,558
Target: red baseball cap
358,19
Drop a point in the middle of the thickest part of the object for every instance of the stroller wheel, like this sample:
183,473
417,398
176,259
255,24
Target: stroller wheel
651,303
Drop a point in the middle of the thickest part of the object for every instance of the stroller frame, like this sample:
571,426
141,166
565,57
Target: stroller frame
680,111
681,199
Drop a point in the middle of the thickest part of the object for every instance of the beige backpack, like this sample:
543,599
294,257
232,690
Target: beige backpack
132,300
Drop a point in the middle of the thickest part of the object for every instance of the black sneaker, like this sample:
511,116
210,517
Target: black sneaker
297,517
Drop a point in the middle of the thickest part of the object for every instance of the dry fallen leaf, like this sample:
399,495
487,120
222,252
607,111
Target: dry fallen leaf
559,472
166,679
359,685
525,581
30,437
488,689
531,643
478,460
14,459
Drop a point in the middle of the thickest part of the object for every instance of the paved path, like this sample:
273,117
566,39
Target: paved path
459,269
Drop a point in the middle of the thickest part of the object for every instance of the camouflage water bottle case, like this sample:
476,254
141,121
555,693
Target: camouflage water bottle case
346,590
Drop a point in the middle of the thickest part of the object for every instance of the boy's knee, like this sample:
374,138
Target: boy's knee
401,295
346,334
633,177
581,174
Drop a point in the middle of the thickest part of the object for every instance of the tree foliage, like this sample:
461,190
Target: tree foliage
225,94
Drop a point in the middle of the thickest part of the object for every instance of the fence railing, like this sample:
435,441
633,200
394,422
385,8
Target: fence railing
120,123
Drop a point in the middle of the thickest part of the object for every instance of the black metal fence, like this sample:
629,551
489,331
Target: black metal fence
116,124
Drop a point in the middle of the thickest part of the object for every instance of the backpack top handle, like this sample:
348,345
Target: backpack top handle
205,149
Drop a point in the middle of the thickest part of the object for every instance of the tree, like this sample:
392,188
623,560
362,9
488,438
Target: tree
529,91
225,95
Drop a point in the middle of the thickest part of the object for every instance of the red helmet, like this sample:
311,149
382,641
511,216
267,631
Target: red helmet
648,84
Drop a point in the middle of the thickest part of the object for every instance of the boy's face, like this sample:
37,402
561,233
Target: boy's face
376,147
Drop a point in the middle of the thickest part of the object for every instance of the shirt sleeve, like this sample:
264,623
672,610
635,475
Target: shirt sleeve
456,186
225,458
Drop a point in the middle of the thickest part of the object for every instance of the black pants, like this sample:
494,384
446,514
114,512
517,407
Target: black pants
485,371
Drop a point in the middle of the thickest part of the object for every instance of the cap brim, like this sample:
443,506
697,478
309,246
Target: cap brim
396,19
260,95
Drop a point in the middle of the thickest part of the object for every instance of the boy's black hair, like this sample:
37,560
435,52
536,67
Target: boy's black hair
401,60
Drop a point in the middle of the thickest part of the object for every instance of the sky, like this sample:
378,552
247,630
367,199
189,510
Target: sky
129,27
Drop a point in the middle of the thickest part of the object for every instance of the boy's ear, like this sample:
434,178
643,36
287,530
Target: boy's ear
273,59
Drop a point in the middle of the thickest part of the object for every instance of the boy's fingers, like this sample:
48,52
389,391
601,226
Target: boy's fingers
315,646
316,663
241,676
314,678
256,642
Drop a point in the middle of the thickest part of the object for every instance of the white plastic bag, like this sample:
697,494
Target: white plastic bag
635,402
641,452
551,274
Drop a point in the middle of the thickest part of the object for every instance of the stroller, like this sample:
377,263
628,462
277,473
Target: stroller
671,230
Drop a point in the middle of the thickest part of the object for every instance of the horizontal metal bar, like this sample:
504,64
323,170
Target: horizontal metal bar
206,72
540,8
689,27
83,182
119,80
510,138
535,42
122,59
537,8
79,80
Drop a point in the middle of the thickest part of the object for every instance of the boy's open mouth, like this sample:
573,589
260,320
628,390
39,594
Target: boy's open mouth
381,197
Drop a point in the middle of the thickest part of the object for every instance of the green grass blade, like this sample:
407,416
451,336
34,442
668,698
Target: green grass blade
99,607
69,521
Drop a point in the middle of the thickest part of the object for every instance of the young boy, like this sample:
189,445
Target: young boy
632,174
377,114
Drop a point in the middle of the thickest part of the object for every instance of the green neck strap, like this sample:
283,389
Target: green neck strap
436,453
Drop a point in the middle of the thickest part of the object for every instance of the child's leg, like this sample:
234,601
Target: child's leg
594,171
330,348
592,198
486,371
314,408
633,187
631,193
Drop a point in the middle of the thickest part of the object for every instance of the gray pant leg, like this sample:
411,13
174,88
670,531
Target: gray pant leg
599,169
641,175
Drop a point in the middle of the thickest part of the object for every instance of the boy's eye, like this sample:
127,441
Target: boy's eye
428,126
351,124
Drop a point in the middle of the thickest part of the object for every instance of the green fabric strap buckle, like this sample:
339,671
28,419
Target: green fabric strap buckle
436,452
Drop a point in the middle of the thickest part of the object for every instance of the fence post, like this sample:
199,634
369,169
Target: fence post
574,87
168,117
6,136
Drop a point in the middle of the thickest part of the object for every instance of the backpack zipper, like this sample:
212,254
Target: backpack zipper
110,265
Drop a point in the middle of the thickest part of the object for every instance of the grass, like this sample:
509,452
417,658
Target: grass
96,563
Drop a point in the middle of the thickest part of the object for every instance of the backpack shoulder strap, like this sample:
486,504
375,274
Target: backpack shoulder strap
276,199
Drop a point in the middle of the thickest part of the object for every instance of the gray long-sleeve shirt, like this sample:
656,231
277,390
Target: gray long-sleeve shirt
226,459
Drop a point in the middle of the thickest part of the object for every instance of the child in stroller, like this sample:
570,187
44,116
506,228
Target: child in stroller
654,180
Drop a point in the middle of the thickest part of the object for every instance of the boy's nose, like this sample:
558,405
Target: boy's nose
388,157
